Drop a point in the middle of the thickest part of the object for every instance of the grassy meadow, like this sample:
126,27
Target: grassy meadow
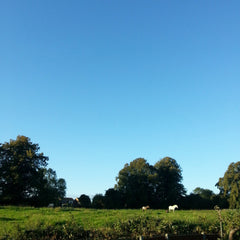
69,223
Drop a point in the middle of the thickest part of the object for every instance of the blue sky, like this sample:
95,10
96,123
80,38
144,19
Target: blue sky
98,84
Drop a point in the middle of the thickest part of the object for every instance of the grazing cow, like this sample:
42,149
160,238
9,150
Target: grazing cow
144,208
172,208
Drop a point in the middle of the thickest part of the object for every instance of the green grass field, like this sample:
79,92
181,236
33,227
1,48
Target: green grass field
16,220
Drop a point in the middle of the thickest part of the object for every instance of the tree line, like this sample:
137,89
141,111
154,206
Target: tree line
140,184
26,180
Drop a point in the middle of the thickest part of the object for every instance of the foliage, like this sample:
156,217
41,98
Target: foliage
52,189
84,201
24,177
229,221
169,177
232,223
204,193
135,183
98,201
202,199
140,184
113,199
229,185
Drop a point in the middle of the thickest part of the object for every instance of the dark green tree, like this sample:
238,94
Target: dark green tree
24,178
206,198
113,199
51,189
98,201
202,198
204,193
229,185
20,170
169,188
136,183
191,201
84,201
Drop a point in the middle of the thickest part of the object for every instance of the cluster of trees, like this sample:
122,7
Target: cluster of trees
25,179
24,176
140,184
199,199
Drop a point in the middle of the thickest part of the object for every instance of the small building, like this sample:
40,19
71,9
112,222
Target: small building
67,202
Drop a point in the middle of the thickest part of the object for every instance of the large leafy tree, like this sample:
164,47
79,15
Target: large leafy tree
229,185
204,193
142,184
204,198
51,189
84,201
113,199
98,201
23,174
169,187
135,183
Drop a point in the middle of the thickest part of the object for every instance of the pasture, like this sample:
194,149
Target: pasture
20,222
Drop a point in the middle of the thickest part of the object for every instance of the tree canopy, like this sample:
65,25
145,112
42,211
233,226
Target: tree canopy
229,185
24,176
98,201
135,181
141,183
84,201
169,187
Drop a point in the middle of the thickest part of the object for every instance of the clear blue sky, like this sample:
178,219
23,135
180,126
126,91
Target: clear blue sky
98,84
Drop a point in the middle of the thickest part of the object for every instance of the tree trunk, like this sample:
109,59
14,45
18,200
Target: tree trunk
232,232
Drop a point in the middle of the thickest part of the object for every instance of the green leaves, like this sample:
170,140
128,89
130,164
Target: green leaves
229,185
143,184
24,175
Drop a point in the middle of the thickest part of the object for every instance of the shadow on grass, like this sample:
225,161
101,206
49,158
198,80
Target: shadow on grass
6,219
